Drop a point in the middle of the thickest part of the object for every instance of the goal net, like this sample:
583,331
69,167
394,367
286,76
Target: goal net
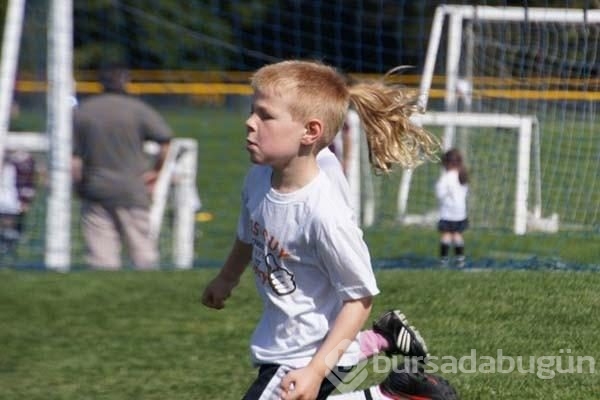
519,98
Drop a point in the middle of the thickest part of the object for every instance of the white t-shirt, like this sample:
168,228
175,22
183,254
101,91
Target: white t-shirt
330,164
452,196
308,257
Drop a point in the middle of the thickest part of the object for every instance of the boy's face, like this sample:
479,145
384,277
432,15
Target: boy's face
273,136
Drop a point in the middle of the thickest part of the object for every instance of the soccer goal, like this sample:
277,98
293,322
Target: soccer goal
521,129
517,90
172,214
52,238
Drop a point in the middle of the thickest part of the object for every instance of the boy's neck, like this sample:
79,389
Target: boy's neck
295,175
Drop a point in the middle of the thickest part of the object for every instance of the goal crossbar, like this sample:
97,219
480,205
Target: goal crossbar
527,127
491,13
457,13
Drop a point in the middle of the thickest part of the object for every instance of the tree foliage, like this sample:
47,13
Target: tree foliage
356,35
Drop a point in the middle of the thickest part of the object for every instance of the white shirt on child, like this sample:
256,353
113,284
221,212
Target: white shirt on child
9,195
452,196
308,257
330,164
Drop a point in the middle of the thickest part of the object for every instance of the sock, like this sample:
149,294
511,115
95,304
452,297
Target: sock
444,249
459,250
371,343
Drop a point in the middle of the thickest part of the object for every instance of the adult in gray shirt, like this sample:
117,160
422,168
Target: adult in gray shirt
112,174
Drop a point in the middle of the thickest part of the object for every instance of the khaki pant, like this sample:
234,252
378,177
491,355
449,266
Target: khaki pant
106,228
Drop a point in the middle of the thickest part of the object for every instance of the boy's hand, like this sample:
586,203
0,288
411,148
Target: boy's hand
301,384
217,291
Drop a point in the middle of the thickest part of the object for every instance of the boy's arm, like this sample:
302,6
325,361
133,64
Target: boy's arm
220,288
347,325
236,262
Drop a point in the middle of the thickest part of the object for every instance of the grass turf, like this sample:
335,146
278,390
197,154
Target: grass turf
144,335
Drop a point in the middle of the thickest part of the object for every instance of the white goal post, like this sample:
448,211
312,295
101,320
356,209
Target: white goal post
60,91
520,68
8,64
527,207
457,14
528,133
178,172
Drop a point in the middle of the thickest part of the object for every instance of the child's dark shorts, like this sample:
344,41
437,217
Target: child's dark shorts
453,226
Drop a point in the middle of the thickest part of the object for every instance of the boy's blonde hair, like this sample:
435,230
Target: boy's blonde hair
320,91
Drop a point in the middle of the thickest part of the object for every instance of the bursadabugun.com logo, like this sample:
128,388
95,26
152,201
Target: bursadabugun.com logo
544,367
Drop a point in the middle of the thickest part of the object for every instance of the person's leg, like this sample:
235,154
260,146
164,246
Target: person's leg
134,224
459,248
103,247
20,225
403,383
372,343
391,333
444,228
399,337
412,382
375,392
9,233
267,383
445,243
372,393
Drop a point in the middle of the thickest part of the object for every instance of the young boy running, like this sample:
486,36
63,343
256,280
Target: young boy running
311,264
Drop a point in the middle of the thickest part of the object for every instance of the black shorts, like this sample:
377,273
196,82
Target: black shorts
453,226
266,384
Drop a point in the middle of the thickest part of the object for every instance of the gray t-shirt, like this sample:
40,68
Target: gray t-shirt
108,134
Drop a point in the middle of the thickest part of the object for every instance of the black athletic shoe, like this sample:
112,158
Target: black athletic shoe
402,338
415,384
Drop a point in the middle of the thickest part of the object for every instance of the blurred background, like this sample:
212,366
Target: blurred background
193,60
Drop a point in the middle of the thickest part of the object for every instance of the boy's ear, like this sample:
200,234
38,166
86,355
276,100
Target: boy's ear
312,132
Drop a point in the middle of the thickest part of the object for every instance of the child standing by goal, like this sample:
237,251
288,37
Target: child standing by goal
312,267
451,190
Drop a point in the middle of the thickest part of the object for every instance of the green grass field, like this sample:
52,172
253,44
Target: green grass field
144,335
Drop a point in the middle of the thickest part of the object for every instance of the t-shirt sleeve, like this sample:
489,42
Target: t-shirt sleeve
346,259
155,128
